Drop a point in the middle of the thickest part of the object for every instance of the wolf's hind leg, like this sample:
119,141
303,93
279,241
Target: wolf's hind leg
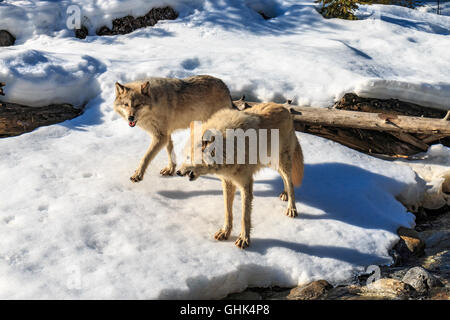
155,146
229,189
170,169
247,196
283,195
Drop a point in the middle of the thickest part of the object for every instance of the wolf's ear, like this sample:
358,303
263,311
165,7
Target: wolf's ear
119,88
145,87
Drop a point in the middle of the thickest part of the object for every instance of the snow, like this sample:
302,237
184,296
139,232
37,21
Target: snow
33,76
75,211
28,18
433,167
72,225
392,52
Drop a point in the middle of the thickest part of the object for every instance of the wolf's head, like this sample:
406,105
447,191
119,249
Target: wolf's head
197,159
130,100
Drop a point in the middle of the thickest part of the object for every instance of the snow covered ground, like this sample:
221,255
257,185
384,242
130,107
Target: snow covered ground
73,226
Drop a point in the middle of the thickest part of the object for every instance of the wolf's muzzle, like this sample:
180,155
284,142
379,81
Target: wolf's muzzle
131,121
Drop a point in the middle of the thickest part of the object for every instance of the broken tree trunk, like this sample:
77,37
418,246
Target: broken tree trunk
377,131
16,119
397,143
370,121
353,102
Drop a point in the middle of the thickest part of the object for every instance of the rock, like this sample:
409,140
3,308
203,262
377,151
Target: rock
6,39
312,291
421,280
245,295
350,292
276,295
17,119
82,32
265,16
414,245
388,288
104,31
410,245
402,231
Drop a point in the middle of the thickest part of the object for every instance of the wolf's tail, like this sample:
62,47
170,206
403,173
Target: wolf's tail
297,164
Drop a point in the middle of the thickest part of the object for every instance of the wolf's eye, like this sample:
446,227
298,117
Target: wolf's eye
126,105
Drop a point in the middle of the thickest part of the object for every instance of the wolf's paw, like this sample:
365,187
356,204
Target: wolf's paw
222,235
242,242
136,177
291,212
168,171
284,196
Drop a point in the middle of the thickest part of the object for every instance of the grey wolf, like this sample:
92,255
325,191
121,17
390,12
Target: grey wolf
290,164
162,105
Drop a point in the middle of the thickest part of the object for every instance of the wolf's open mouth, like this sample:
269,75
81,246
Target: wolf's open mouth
132,123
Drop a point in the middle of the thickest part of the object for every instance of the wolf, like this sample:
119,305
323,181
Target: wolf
162,105
290,161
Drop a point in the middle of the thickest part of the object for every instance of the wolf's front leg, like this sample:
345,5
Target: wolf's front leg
229,189
170,169
155,146
247,196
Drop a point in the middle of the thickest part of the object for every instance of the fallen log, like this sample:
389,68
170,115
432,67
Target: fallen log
16,119
370,121
353,102
381,131
365,120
